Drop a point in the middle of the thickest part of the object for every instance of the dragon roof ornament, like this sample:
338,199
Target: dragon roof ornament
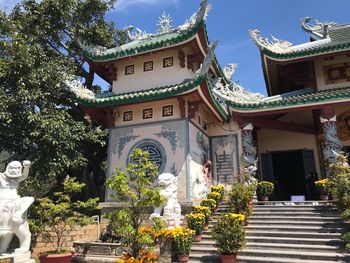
198,16
78,88
229,70
319,28
93,49
234,92
275,45
207,61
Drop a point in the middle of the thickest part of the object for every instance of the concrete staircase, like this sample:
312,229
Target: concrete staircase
283,233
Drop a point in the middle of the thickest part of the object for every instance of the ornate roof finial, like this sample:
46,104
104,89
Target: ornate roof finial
319,28
197,17
229,70
96,50
164,23
138,35
275,45
207,60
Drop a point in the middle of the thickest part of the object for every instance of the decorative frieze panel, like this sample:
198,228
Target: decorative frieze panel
225,158
337,73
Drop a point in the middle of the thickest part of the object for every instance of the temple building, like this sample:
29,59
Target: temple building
171,97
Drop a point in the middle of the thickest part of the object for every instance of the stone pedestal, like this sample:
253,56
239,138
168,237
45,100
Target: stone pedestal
16,258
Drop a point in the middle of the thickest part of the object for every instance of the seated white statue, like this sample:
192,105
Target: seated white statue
172,209
13,208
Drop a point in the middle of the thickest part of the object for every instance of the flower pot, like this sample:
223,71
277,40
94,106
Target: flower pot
245,222
228,258
183,258
206,227
265,198
197,238
56,258
211,217
250,203
324,197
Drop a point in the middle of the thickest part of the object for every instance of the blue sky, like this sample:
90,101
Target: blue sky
229,23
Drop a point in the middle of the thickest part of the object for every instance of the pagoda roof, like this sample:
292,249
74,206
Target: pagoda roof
300,99
142,42
325,38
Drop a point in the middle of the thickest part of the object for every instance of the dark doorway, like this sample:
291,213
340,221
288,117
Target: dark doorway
288,173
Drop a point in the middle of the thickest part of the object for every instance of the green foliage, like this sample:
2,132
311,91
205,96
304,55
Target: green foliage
39,118
211,203
265,188
214,195
219,189
229,234
239,198
203,210
56,219
196,222
136,191
339,176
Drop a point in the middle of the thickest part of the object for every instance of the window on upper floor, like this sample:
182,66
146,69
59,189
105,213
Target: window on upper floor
168,62
148,66
129,70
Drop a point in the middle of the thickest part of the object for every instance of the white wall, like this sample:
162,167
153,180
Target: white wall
157,112
199,183
158,77
170,135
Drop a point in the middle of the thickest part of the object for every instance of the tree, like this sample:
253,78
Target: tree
39,117
134,187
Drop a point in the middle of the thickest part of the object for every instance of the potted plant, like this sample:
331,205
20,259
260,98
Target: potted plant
56,218
209,203
196,222
181,241
265,189
219,189
216,196
205,211
239,198
323,187
229,236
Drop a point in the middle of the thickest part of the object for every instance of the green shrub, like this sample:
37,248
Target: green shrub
229,234
196,222
209,203
239,198
265,188
219,189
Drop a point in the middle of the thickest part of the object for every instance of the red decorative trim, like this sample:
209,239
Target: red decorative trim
182,57
182,106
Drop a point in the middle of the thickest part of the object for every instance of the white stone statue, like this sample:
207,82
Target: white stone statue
172,209
13,210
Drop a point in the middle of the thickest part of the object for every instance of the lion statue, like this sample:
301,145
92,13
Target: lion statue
172,208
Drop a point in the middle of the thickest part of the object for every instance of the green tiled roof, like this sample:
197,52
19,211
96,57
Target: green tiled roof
340,40
331,95
150,94
140,46
142,95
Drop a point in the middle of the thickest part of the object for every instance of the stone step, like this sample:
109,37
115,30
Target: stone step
307,255
293,213
299,209
298,223
259,259
200,257
293,247
295,240
267,233
271,218
293,228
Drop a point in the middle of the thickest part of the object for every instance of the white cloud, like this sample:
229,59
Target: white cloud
124,4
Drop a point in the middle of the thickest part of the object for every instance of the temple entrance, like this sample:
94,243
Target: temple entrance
287,169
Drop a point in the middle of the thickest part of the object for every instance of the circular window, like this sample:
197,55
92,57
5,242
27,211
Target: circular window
156,153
